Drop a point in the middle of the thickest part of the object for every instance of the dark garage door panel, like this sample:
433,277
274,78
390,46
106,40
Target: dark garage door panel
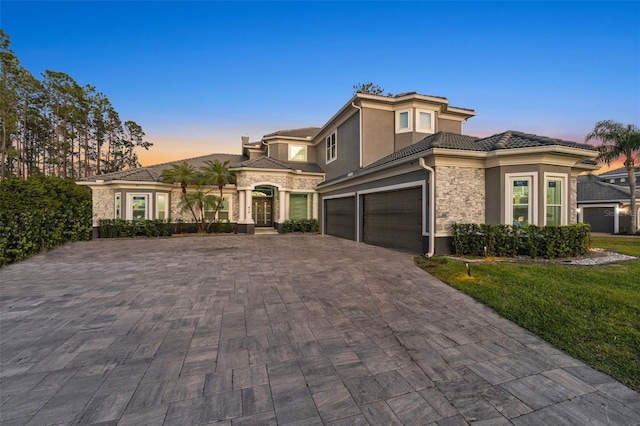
340,217
394,219
600,218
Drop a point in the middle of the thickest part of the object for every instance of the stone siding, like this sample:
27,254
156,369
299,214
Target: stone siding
286,182
103,204
460,197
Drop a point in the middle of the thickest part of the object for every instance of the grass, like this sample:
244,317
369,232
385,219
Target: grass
590,312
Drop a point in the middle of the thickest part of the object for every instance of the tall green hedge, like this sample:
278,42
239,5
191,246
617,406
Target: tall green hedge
41,213
549,242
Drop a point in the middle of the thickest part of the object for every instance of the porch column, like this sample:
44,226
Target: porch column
282,196
314,206
616,219
241,200
286,206
249,202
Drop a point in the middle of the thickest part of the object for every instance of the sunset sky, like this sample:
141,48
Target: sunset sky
199,75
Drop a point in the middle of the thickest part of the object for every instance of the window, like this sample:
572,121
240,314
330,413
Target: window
332,148
403,121
425,121
521,195
161,206
138,206
223,212
555,196
298,206
118,205
297,153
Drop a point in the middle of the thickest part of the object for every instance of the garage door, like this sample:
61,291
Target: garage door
394,219
600,218
340,217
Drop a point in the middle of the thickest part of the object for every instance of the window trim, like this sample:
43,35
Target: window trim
532,177
148,208
166,205
331,141
564,196
117,207
292,157
432,126
228,198
409,127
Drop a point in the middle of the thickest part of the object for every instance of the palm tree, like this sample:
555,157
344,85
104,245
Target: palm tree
618,141
204,202
185,174
218,173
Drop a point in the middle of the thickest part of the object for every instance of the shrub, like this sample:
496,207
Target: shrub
41,213
549,242
304,225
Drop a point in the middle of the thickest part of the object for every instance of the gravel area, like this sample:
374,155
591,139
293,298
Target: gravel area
599,257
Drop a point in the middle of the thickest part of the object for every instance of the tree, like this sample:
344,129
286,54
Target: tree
184,174
218,173
619,140
369,89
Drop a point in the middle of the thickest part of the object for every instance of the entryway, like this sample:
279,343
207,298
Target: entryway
262,206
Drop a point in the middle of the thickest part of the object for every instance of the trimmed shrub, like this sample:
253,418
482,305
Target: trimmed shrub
41,213
304,225
549,242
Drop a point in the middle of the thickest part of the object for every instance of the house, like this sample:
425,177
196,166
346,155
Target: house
604,201
395,171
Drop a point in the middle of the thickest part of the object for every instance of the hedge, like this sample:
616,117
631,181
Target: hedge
305,225
120,228
549,242
41,213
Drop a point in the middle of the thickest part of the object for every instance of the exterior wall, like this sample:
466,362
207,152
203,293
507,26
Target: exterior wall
103,204
348,144
495,198
460,197
377,138
573,199
285,181
451,126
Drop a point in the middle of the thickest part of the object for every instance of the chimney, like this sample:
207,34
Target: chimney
245,140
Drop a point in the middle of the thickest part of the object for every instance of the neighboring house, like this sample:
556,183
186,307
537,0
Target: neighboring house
604,201
391,171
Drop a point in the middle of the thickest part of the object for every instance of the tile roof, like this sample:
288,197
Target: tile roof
618,171
593,188
273,164
508,139
305,132
152,173
514,139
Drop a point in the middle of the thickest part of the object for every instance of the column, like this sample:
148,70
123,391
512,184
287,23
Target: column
282,196
249,202
241,200
286,206
314,206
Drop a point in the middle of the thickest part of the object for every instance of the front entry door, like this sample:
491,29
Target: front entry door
262,211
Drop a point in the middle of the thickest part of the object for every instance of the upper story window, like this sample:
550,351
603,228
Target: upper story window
332,147
425,121
404,122
297,153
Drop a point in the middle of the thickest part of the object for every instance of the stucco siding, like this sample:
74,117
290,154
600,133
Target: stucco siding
451,126
378,131
460,197
348,145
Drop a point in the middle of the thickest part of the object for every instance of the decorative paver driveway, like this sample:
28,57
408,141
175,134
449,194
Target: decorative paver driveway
257,330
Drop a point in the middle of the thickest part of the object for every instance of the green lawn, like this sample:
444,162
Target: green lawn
590,312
